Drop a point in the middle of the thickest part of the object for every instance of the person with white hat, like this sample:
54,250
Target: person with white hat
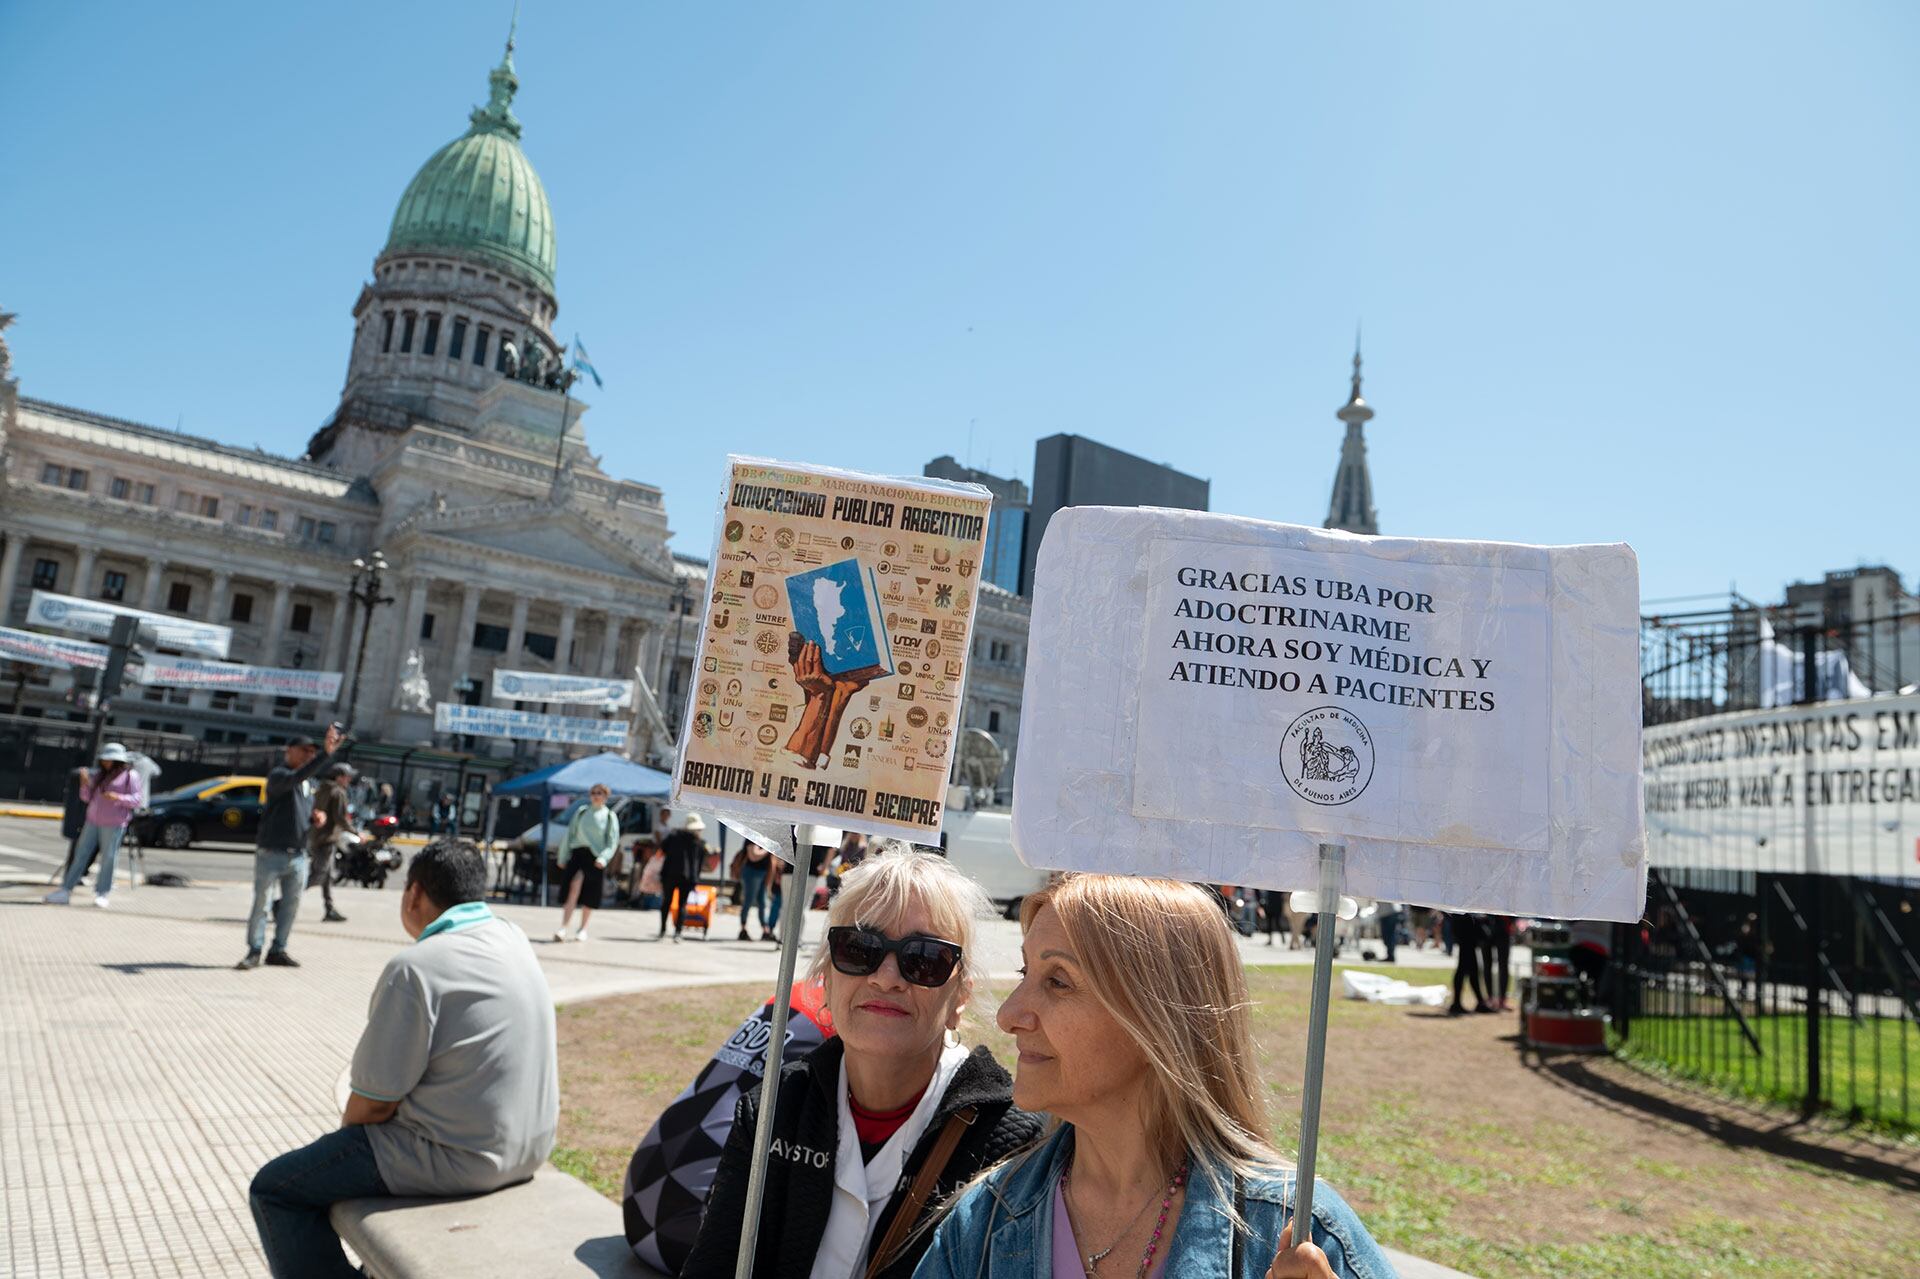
686,855
113,792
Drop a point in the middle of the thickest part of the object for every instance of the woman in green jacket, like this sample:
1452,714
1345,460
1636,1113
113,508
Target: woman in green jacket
592,837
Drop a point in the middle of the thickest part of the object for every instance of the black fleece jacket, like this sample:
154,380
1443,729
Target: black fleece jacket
806,1140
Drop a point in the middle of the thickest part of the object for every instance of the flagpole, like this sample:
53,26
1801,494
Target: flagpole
566,407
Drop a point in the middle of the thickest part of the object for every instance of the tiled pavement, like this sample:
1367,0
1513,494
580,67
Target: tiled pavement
143,1080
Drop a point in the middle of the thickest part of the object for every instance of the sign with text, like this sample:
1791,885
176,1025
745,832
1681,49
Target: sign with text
1211,698
540,686
527,726
94,618
50,650
832,658
229,677
1744,790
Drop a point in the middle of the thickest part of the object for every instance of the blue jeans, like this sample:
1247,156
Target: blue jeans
291,1195
106,841
289,871
776,896
753,894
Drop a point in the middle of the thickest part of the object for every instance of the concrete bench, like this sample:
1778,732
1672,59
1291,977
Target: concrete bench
550,1226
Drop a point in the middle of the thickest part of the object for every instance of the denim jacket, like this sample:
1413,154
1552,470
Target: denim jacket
1003,1229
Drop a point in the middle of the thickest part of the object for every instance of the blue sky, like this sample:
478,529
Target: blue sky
1645,273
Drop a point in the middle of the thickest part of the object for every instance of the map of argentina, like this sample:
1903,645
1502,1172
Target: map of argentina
836,607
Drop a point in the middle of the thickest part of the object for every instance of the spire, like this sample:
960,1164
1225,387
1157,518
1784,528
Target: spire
497,116
1351,508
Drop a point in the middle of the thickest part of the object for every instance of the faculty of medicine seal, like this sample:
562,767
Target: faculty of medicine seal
1327,756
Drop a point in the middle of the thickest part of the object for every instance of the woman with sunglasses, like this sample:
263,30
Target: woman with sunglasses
882,1121
1133,1030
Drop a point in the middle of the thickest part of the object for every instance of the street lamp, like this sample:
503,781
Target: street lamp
365,591
682,605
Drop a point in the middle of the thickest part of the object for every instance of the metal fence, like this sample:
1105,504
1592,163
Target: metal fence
1778,952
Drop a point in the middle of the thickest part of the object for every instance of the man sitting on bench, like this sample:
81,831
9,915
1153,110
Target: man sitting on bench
455,1082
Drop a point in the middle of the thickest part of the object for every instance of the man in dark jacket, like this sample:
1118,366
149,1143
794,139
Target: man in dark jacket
686,854
328,837
800,1173
280,849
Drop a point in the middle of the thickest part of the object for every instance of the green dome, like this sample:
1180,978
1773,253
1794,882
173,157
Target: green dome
478,197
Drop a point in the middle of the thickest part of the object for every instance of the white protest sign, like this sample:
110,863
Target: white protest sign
833,652
527,726
542,686
50,650
1211,698
95,618
233,677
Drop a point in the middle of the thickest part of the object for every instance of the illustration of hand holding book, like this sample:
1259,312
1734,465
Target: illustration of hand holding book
838,647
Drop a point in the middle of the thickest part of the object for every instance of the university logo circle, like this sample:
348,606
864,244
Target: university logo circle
509,683
1327,756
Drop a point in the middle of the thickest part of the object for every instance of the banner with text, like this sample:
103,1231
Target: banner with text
50,650
1211,698
539,686
94,618
1743,791
833,653
527,726
229,677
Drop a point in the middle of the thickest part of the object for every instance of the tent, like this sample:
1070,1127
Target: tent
576,777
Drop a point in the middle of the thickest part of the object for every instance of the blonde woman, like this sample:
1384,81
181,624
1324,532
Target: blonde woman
1131,1020
592,838
880,1123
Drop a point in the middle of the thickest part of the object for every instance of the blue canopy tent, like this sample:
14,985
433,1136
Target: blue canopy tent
610,769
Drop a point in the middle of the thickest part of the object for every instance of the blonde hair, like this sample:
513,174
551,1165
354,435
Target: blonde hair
881,890
1157,956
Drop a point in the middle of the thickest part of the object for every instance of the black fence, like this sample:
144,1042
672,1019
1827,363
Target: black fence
1777,956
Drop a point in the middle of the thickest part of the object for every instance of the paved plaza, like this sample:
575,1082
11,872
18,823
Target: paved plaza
146,1080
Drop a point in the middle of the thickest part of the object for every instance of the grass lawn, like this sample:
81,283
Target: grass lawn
1449,1141
1870,1070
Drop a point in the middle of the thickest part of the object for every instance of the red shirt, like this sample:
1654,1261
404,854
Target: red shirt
876,1126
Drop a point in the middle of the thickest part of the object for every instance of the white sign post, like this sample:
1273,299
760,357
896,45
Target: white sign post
544,686
1225,700
527,726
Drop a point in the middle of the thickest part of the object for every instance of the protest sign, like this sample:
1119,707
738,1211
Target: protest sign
833,652
1737,791
540,686
49,650
94,618
527,726
1213,698
270,681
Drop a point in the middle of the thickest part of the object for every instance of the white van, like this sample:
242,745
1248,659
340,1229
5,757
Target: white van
979,841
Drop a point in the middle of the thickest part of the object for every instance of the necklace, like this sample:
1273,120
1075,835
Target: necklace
1153,1245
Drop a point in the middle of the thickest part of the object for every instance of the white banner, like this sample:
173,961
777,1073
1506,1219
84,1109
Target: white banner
94,618
50,650
494,721
539,686
1211,698
273,681
1743,790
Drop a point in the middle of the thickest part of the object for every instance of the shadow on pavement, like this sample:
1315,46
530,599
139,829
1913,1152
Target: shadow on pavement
164,966
1726,1120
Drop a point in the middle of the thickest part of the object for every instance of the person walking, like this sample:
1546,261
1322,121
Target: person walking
1274,906
591,840
327,839
754,869
776,894
112,793
1388,916
384,805
1467,938
280,849
685,853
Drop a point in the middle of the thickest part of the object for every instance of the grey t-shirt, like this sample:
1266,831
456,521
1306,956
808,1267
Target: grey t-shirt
460,1032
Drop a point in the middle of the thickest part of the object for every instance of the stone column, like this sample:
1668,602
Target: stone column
339,632
277,623
150,589
201,699
517,631
10,574
653,639
463,639
563,646
83,571
610,645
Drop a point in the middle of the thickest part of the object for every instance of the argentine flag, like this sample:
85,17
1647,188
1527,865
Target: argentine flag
581,364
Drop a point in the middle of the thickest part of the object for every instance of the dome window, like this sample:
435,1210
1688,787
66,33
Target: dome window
457,340
430,344
480,346
386,333
406,334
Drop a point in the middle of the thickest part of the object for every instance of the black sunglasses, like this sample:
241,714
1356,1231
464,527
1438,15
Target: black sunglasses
923,960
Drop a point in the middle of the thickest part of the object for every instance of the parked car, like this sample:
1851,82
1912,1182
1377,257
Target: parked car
214,808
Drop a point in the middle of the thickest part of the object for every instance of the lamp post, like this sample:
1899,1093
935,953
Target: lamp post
368,575
682,605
